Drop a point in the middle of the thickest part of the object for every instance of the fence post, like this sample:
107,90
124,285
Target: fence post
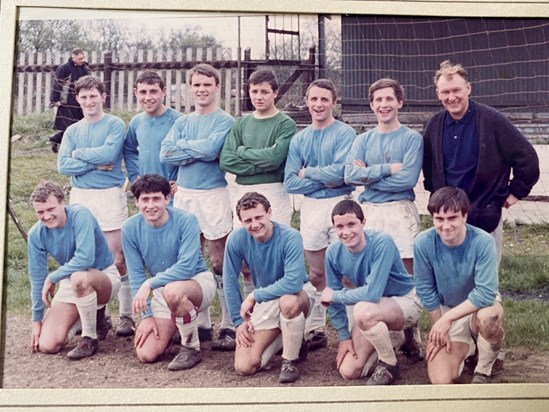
107,79
248,69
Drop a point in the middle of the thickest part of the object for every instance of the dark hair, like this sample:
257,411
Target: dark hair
250,200
383,84
206,70
89,82
348,206
150,77
448,198
323,84
44,189
77,51
150,183
264,75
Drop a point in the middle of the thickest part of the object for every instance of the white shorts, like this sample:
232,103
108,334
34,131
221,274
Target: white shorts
409,304
211,207
207,283
266,315
399,219
109,206
65,293
275,194
463,329
316,225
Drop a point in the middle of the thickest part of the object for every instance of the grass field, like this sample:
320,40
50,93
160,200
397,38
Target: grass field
524,274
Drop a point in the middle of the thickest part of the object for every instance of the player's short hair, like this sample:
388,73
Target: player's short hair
323,84
44,189
449,70
204,69
150,77
250,200
449,198
264,75
346,207
89,82
385,83
77,51
150,183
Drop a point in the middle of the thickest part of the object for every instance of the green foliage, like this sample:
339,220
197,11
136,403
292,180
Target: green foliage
50,35
526,323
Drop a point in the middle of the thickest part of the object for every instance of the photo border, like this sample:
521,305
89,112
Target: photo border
500,397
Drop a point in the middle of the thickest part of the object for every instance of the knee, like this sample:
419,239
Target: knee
347,372
176,298
441,378
217,264
364,314
317,279
120,263
289,306
145,356
50,345
246,367
80,282
490,323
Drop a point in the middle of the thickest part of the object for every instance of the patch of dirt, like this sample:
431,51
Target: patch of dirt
116,366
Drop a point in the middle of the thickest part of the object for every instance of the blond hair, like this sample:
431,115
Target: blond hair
449,70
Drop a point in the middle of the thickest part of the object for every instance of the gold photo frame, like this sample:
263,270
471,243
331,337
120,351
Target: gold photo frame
505,397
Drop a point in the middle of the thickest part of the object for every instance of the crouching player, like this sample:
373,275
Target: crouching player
456,274
272,317
87,277
382,293
165,242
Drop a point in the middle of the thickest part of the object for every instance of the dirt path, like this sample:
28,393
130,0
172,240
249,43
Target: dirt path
115,366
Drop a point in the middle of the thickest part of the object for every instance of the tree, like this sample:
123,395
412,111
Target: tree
50,35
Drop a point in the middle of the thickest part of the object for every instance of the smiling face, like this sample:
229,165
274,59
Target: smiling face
91,101
257,222
450,226
321,104
263,98
454,93
151,98
385,106
51,212
153,208
204,91
350,231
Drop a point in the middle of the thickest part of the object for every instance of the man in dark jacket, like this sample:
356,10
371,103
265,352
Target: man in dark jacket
474,147
63,97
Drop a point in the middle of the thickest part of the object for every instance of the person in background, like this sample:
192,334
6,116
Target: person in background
63,96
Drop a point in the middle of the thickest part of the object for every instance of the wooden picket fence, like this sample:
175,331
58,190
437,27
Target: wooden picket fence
34,73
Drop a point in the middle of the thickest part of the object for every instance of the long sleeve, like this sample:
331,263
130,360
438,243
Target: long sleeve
336,310
131,153
109,151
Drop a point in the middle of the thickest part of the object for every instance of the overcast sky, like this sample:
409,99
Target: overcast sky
224,27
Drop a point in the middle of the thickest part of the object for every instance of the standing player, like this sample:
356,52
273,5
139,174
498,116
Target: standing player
194,143
382,293
148,128
256,147
165,242
86,276
91,153
63,96
387,161
273,315
315,168
456,274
